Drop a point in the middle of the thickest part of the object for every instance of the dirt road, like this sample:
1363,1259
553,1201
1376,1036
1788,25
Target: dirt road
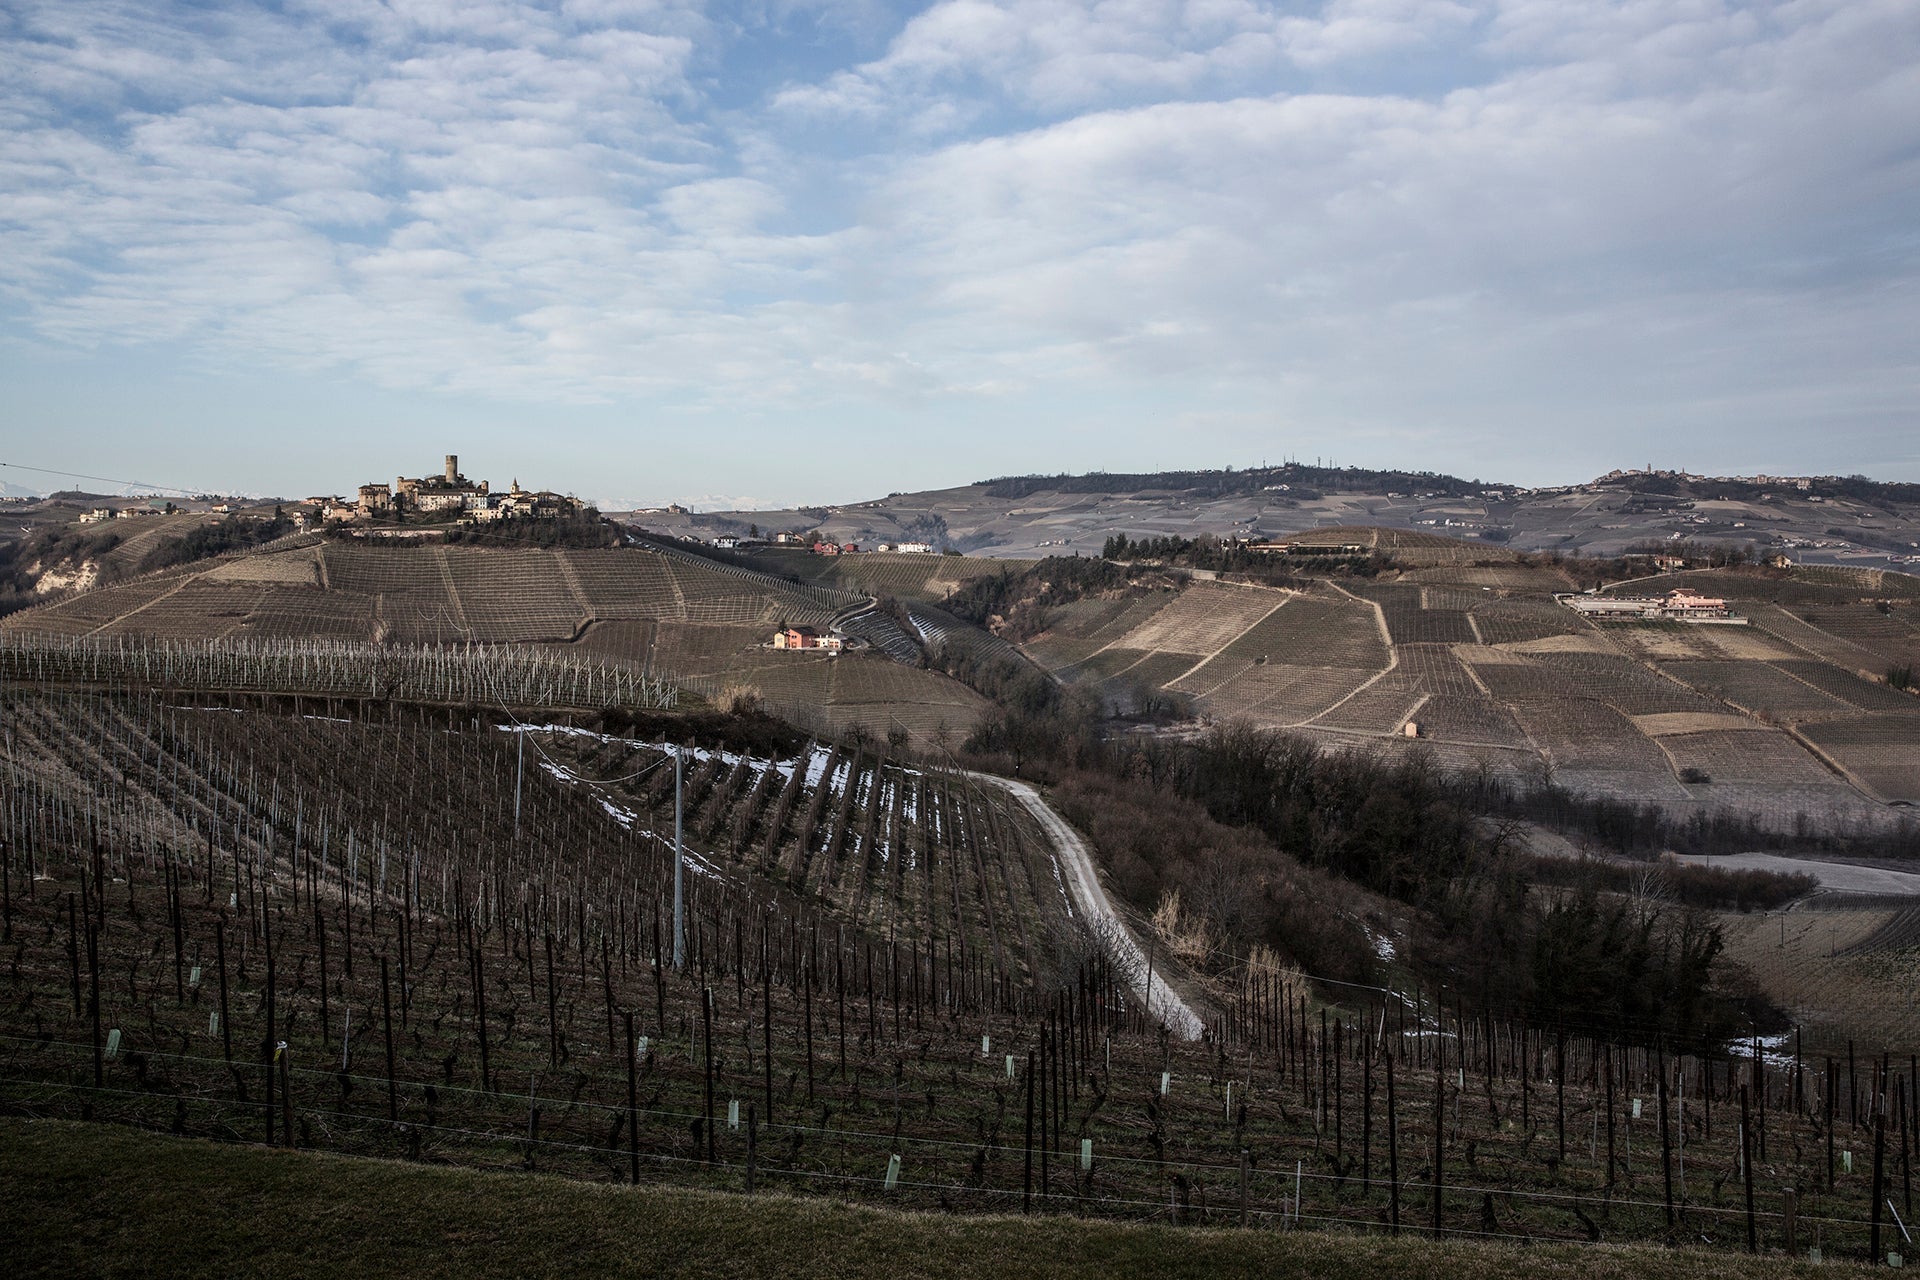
1090,902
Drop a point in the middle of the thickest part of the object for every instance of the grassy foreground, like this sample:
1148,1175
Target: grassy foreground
80,1199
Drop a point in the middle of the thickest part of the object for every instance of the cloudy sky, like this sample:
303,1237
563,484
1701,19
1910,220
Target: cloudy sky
803,249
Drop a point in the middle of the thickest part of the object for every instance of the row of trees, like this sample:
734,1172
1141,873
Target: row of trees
1268,840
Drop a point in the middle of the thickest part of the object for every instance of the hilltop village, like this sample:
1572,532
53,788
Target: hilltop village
449,494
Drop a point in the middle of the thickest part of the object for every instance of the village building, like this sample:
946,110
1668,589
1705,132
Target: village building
449,491
525,504
375,499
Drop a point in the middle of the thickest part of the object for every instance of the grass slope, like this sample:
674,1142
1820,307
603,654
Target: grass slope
81,1199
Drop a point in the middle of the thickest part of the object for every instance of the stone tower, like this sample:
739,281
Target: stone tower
453,468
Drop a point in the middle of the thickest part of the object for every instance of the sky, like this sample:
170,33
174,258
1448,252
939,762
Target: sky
807,251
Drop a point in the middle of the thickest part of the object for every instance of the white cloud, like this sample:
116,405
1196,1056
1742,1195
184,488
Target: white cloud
1682,206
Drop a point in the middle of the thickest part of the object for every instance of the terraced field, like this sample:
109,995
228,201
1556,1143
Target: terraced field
1315,631
1275,693
1694,718
1882,751
1081,629
1203,619
924,578
671,613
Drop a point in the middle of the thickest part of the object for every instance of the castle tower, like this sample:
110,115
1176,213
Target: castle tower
453,468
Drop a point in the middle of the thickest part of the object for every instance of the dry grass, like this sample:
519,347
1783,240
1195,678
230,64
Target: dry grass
90,1200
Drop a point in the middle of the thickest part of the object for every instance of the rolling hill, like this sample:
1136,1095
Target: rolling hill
705,624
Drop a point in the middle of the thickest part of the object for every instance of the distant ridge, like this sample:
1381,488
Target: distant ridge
1229,481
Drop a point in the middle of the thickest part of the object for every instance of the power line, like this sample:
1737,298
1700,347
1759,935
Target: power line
81,475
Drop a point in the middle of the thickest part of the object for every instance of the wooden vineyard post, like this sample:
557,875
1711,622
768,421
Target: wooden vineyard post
1789,1219
220,949
386,1012
1906,1150
553,1010
1243,1187
1366,1116
1560,1093
1666,1145
320,935
1042,1086
179,934
1746,1169
1439,1132
73,953
753,1145
606,984
93,1011
1610,1165
706,1022
766,1027
659,977
840,993
1879,1178
809,1016
1831,1117
286,1096
633,1108
1393,1151
480,1012
1026,1196
266,1047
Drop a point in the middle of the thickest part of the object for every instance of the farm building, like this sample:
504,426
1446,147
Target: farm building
805,638
1681,604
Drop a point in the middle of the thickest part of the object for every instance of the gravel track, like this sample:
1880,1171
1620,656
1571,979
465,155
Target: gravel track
1091,901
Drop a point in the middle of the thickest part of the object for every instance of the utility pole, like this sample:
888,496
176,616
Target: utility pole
679,872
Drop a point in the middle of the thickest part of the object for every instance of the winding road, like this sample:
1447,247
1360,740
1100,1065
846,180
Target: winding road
1090,899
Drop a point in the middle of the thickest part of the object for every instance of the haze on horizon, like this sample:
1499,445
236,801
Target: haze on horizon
646,250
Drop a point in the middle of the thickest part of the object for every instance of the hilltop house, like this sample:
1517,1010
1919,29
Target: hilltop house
805,638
